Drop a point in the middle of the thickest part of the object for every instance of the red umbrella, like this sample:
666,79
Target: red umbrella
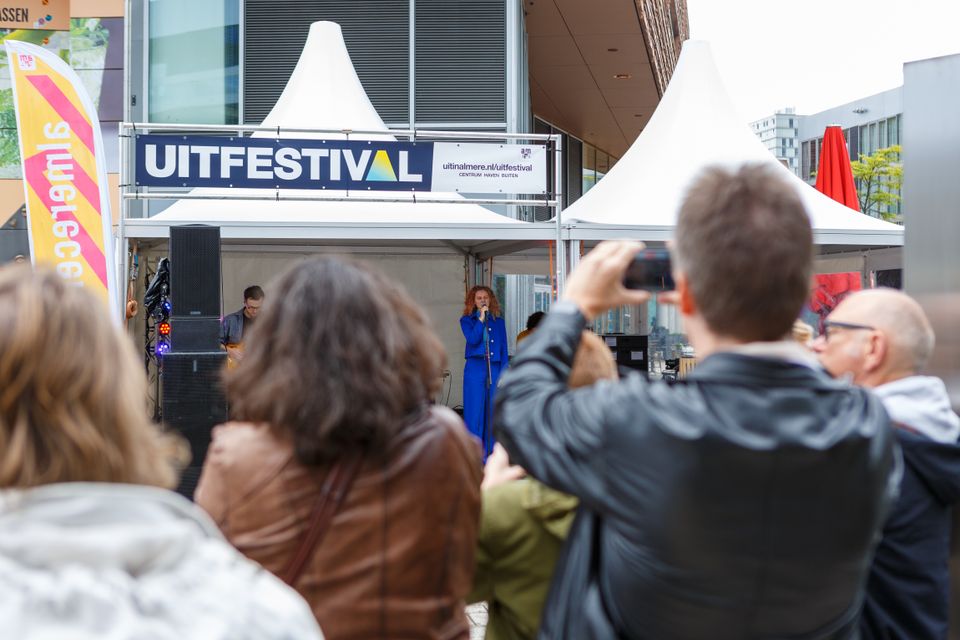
834,178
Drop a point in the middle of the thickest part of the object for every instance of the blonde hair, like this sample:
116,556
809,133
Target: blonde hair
801,332
592,362
72,396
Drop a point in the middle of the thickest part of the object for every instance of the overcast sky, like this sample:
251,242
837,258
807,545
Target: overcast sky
817,54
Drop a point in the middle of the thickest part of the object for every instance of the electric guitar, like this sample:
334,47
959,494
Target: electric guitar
231,363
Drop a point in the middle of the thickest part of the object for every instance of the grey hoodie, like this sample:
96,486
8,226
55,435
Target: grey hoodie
922,403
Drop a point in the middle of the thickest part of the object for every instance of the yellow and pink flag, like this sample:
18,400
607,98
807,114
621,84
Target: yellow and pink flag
64,170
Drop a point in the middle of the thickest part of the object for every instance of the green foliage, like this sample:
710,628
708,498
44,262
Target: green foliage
879,177
9,147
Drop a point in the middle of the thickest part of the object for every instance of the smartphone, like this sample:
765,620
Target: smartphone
650,270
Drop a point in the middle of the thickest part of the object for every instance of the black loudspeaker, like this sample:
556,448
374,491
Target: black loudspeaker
193,399
193,403
194,334
629,351
195,272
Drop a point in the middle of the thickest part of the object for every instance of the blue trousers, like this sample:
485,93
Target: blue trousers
478,400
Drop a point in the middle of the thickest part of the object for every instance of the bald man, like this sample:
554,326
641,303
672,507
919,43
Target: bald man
881,339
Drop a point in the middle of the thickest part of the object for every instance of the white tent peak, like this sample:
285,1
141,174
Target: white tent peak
324,92
695,126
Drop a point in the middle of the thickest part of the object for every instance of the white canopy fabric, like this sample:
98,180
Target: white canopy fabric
696,125
324,92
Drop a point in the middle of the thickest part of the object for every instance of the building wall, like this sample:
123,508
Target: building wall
870,123
448,60
457,74
665,26
856,113
931,150
856,118
779,132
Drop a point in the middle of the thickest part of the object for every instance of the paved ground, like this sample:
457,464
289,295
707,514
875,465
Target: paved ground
477,614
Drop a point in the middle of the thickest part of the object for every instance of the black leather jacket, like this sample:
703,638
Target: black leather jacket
744,502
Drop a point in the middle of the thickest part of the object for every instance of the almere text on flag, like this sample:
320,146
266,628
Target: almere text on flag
64,174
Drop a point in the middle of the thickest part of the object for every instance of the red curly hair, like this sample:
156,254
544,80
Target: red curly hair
468,302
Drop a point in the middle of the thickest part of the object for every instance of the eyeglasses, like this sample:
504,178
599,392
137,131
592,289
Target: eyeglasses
830,325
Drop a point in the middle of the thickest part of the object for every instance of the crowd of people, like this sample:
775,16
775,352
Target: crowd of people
784,489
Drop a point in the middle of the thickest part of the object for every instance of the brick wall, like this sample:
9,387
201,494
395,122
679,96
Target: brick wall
665,27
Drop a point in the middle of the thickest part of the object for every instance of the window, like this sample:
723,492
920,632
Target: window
194,64
814,163
893,130
603,164
589,167
853,142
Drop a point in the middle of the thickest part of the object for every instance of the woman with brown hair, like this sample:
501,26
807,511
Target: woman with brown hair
342,479
91,545
485,356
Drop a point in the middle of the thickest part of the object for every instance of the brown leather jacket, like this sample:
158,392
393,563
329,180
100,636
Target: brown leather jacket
398,558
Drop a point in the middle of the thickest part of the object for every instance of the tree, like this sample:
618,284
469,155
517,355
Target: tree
879,177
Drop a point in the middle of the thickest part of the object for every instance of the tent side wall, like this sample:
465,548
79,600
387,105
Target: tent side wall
435,282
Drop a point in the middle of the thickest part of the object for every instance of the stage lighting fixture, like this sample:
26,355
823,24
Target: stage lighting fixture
163,347
163,328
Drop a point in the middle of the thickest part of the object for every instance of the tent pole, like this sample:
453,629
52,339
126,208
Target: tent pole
557,140
121,247
576,252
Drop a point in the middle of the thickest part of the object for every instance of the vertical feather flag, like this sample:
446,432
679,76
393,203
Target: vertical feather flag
64,171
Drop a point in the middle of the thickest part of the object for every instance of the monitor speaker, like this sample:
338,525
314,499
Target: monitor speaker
194,334
193,403
629,351
195,271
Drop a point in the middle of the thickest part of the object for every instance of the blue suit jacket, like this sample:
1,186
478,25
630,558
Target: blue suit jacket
473,332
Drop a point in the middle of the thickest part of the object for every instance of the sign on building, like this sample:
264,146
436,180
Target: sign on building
50,15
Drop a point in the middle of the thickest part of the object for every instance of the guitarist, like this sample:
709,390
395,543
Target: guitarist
234,326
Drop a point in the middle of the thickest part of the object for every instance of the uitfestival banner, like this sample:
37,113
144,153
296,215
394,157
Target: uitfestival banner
64,175
355,165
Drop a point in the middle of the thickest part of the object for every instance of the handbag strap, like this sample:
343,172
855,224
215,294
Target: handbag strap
335,488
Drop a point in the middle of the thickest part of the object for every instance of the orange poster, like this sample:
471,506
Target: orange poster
50,15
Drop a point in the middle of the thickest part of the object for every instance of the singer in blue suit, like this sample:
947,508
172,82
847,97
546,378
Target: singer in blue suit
485,355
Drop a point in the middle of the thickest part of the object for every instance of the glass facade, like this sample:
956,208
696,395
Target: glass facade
596,164
193,63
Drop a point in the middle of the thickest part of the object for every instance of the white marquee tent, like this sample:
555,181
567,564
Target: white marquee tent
324,93
427,246
694,126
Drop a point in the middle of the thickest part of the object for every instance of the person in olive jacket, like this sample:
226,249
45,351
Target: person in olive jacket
744,501
523,524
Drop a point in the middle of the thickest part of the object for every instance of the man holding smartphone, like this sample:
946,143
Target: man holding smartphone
744,502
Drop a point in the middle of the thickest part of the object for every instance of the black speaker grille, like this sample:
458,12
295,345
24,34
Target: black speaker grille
195,271
193,403
194,334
